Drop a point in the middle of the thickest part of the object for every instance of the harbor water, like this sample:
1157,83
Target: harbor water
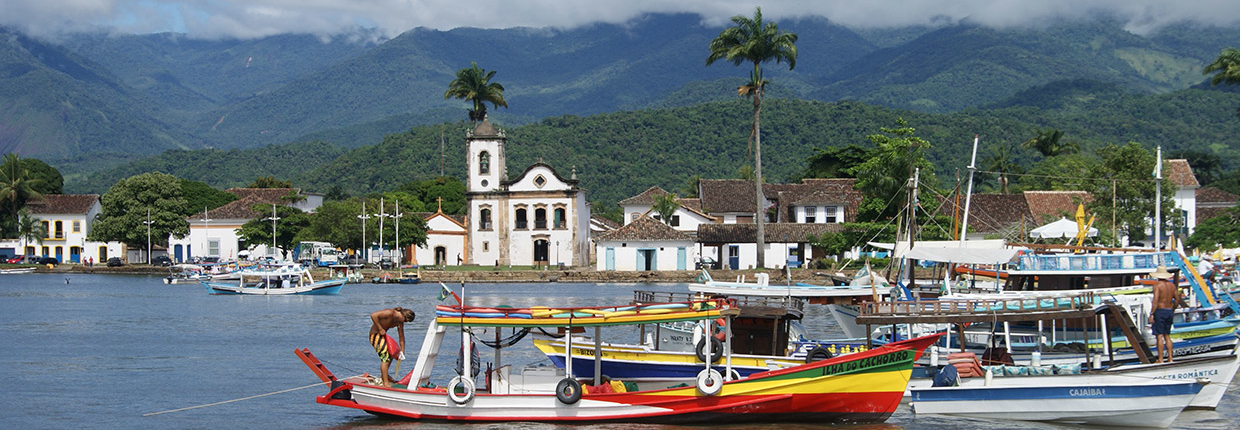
105,351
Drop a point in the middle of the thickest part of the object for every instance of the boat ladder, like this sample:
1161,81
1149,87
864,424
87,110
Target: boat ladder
315,365
1139,345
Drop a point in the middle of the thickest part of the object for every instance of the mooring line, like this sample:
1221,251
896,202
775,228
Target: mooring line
317,384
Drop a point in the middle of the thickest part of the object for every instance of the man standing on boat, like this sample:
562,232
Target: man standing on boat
381,321
1165,293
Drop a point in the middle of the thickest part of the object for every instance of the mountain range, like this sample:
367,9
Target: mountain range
91,103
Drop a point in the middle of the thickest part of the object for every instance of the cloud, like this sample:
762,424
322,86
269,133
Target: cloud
258,18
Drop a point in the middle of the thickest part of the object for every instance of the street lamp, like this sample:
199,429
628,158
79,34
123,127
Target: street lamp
364,216
273,219
148,234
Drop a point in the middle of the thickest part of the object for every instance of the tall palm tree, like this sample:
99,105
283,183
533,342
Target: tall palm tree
1049,143
1226,69
751,40
475,85
16,185
29,230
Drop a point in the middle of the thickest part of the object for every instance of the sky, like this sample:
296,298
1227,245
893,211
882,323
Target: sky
215,19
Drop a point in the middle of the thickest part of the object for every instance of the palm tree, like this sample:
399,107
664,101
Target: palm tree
1049,143
1226,69
29,230
1003,162
16,186
475,85
751,40
665,205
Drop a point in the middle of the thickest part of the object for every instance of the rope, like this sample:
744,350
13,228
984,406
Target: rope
236,400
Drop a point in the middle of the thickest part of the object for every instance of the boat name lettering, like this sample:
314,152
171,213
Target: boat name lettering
1191,375
1190,350
876,361
1082,392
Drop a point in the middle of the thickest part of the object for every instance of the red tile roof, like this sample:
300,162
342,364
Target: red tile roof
645,228
774,232
1179,172
62,204
1048,206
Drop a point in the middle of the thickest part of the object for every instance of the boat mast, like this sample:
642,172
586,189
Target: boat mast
1158,200
964,226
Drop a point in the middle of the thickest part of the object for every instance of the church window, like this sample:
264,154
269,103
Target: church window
558,218
484,163
484,222
522,219
539,181
540,219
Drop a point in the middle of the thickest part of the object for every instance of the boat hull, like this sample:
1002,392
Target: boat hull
1087,400
860,388
329,287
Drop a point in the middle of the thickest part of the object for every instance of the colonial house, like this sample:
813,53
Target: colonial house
213,233
1180,173
1212,202
795,213
447,241
687,217
66,219
646,244
540,218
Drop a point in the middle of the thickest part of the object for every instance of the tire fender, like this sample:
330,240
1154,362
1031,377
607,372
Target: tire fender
568,391
818,353
716,349
467,391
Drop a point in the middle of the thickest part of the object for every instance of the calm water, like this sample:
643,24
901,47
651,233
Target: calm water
99,351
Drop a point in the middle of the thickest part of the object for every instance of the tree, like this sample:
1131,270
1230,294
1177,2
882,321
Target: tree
52,181
16,188
835,162
1128,170
1207,166
1226,69
335,193
690,189
29,230
125,207
665,205
269,182
475,85
1049,143
258,231
1062,173
1003,163
200,196
752,40
883,178
1222,230
429,191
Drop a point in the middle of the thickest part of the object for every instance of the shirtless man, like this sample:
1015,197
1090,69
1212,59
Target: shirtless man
1165,294
381,321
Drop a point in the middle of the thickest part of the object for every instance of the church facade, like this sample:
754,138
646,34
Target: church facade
537,219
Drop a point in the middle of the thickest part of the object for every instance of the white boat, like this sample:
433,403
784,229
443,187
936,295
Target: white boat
1084,399
187,274
18,271
761,287
278,280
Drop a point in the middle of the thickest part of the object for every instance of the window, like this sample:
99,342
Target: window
103,254
60,229
522,219
213,248
811,214
47,230
832,214
486,246
540,181
675,221
484,163
558,218
633,216
484,219
77,226
540,219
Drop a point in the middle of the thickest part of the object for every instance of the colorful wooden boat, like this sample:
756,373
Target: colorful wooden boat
277,281
864,387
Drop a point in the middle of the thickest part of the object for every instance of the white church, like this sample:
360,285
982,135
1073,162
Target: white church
538,219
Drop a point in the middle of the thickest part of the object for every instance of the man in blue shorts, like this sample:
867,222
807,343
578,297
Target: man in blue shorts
1165,293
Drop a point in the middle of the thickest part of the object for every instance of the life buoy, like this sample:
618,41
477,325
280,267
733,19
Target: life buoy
709,382
467,390
819,353
716,350
733,375
568,391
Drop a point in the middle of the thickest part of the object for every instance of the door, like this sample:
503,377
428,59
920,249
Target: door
75,254
610,259
60,254
441,256
177,253
646,260
541,252
681,256
734,257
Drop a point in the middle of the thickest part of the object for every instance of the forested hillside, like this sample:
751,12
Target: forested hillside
617,155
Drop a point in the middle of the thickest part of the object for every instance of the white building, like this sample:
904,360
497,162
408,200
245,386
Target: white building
687,217
446,240
646,244
67,220
539,218
1180,173
214,233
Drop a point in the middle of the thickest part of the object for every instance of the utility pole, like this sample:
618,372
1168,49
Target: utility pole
273,219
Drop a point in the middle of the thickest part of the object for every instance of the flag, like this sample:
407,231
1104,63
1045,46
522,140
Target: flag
444,292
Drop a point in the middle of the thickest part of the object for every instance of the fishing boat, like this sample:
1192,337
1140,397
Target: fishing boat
762,287
409,277
186,274
274,281
859,388
1087,399
17,271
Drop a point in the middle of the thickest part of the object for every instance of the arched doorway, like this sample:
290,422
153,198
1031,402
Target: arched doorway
541,251
441,256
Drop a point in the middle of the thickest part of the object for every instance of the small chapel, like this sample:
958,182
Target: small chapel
537,219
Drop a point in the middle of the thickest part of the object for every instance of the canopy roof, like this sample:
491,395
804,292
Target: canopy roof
1060,229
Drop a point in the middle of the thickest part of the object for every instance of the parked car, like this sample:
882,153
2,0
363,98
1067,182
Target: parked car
161,260
17,259
48,260
115,262
708,264
352,259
